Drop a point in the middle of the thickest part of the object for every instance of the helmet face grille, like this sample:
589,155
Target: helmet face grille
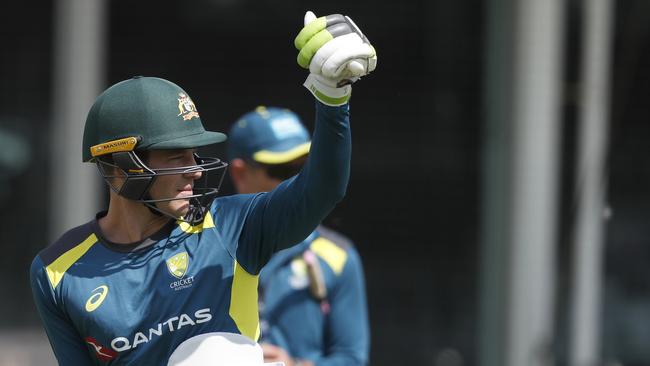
137,178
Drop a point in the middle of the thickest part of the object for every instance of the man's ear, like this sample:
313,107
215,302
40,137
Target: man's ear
237,169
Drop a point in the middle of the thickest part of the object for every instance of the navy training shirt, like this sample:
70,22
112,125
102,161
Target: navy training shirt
102,305
333,331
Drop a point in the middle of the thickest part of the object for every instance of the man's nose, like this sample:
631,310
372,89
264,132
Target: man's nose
194,173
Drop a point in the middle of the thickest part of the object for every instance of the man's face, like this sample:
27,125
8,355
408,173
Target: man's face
173,185
250,177
254,179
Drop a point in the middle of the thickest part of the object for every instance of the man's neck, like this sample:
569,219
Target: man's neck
128,221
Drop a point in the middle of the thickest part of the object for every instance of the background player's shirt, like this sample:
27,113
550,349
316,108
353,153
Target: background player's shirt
104,303
328,333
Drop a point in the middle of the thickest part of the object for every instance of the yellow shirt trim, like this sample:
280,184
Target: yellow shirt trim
332,254
243,302
206,224
57,269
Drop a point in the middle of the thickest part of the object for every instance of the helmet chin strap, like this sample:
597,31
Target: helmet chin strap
196,212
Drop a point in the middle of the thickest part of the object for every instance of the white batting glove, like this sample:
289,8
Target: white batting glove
336,53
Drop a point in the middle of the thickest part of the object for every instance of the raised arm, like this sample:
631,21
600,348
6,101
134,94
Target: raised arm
337,54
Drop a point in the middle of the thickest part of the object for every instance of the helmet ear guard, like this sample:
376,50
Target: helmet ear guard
135,187
137,176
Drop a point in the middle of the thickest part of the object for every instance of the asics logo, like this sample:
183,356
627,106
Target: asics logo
97,297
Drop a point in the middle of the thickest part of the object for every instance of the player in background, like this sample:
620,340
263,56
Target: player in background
167,262
313,300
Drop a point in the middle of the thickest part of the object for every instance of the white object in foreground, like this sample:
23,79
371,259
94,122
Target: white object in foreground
219,349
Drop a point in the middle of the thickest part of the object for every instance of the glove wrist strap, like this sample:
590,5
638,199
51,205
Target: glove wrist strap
327,94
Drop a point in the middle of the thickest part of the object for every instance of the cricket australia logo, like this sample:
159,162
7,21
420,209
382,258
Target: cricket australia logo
177,266
186,107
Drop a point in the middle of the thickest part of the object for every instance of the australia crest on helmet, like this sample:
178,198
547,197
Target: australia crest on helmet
186,107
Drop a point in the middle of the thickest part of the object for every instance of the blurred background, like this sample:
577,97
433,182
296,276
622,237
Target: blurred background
501,160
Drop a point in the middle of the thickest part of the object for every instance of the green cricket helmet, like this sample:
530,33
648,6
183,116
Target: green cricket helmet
147,113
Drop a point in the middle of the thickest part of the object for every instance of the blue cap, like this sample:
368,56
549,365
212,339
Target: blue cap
268,135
